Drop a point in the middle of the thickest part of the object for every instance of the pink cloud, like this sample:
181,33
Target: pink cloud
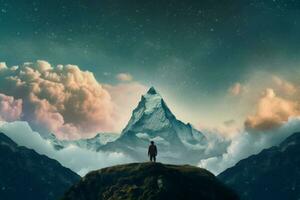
272,111
264,101
236,89
10,108
66,100
124,77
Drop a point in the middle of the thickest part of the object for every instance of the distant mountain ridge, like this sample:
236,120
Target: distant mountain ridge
25,174
152,120
272,174
90,143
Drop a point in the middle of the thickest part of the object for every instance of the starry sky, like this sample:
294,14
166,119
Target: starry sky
192,51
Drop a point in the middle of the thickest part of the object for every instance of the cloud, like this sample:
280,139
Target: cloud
10,108
264,101
229,122
272,114
79,160
3,65
65,100
124,77
236,89
246,143
272,111
283,86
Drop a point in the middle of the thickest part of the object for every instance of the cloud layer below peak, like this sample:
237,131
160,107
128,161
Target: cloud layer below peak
78,159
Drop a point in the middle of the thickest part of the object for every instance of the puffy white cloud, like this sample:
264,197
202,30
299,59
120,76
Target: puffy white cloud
10,108
63,99
79,160
67,101
124,77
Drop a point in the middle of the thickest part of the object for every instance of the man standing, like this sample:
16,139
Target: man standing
152,152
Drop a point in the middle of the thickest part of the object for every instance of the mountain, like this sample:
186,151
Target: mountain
272,174
149,181
153,120
25,174
90,143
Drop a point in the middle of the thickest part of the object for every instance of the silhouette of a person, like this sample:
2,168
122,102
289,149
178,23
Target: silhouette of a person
152,152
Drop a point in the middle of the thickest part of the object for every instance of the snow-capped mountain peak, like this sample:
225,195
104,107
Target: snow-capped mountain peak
152,91
152,120
152,109
152,100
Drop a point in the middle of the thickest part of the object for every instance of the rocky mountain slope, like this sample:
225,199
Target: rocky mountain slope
25,174
149,181
90,143
153,120
272,174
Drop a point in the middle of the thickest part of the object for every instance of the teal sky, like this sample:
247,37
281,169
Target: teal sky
192,51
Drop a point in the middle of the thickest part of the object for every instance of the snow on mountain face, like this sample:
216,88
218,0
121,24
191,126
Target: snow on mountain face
153,115
90,143
99,140
151,108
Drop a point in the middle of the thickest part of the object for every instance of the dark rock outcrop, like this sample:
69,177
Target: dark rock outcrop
25,174
149,181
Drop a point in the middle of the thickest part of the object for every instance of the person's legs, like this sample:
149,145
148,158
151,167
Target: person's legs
154,158
151,158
